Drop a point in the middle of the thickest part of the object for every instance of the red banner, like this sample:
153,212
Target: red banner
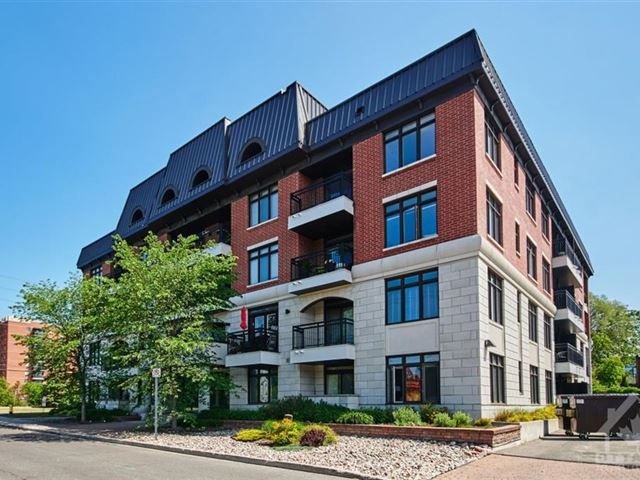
243,318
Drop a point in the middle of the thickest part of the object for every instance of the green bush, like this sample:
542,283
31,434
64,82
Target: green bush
249,435
356,417
380,415
428,412
443,419
517,415
406,416
33,393
599,388
282,432
188,420
303,409
95,414
483,422
5,394
461,419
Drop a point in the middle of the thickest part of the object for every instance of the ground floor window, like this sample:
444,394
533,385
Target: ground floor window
497,378
413,378
338,380
534,383
263,384
548,385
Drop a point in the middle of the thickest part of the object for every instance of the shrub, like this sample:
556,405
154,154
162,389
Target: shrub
483,422
100,414
429,411
461,419
380,415
610,371
519,415
303,409
33,393
406,416
330,436
443,419
312,438
282,432
187,420
355,417
249,435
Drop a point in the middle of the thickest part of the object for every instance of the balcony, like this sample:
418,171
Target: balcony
222,237
569,360
255,347
323,341
323,206
568,311
567,263
327,268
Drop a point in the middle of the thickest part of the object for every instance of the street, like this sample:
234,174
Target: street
40,456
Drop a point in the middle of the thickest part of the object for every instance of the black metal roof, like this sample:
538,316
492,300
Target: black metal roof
294,120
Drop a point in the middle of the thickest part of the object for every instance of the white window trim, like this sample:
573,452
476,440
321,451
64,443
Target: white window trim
429,237
262,223
262,244
417,162
411,191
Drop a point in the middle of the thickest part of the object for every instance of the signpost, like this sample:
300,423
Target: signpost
155,373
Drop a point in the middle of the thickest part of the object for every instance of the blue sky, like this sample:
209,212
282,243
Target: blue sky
95,96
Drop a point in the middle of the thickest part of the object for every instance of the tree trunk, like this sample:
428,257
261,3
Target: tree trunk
174,414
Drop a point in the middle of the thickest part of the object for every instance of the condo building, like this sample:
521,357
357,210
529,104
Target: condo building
405,246
14,367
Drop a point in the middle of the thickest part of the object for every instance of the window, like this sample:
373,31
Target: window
413,378
263,205
547,331
137,216
263,263
412,142
545,223
495,298
531,199
520,383
263,319
517,238
516,171
263,384
548,386
94,353
200,178
252,150
494,217
533,322
492,145
519,306
411,219
168,196
412,297
546,276
338,380
497,378
532,260
534,384
96,271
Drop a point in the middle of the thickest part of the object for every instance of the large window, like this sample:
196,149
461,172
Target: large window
497,378
94,353
263,384
517,238
533,322
546,276
520,382
516,171
412,297
545,222
413,378
96,271
547,331
531,199
494,217
492,145
263,263
495,298
532,259
411,218
534,384
338,380
263,205
548,385
414,141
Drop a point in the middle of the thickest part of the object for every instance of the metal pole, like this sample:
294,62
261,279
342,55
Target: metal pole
155,423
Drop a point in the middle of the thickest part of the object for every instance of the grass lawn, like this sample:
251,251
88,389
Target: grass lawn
26,411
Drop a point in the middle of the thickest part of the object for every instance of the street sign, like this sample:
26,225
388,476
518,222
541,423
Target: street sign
156,373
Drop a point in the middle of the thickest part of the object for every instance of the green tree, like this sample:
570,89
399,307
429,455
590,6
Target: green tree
33,393
615,331
610,372
5,393
163,316
73,316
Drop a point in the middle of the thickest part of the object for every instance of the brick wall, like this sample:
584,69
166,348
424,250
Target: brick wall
452,168
12,355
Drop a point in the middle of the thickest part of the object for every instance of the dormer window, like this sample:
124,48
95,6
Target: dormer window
137,216
253,149
168,196
200,178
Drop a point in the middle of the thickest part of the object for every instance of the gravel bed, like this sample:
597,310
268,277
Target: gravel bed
389,459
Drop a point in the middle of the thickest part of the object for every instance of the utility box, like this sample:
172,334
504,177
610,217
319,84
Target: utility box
613,415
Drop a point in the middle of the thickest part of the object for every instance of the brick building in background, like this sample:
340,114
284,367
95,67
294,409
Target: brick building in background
12,355
405,246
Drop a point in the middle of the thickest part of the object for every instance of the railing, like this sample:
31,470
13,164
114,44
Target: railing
322,334
328,260
259,339
219,235
565,352
562,247
321,192
564,299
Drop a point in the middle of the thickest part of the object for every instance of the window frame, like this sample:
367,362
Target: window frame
255,198
341,371
494,217
497,378
518,238
260,252
547,331
493,139
495,285
394,363
426,198
546,275
516,172
532,259
403,286
261,371
533,322
397,134
96,272
520,378
545,223
534,384
530,199
201,182
548,384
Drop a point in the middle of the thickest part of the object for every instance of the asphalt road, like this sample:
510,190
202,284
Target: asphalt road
40,456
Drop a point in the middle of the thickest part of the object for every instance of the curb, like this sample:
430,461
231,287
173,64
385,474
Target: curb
195,453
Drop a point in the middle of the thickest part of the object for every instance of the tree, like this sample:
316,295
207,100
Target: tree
5,393
610,372
163,315
73,316
615,331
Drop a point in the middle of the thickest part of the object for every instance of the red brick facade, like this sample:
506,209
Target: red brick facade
12,355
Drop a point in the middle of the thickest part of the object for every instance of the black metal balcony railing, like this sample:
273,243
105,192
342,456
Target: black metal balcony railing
219,235
561,247
321,192
564,299
565,352
259,339
322,334
328,260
